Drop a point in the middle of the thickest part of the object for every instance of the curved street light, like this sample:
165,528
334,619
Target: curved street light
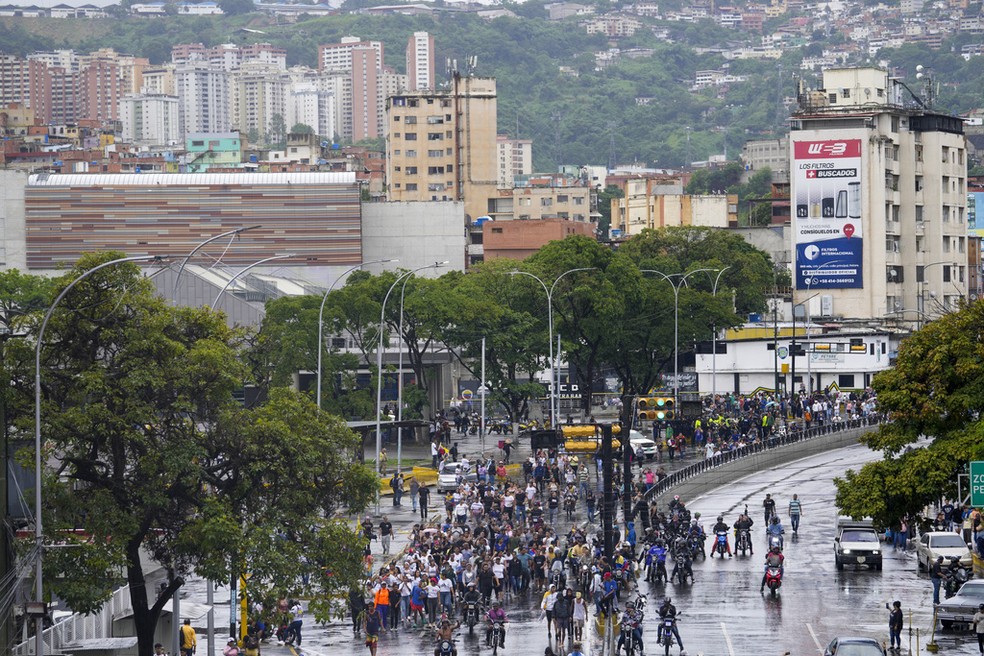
38,532
321,314
177,276
676,318
379,359
244,270
554,402
714,350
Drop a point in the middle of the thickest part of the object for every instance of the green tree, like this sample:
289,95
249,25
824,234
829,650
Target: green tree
277,136
152,453
935,389
301,128
605,198
236,7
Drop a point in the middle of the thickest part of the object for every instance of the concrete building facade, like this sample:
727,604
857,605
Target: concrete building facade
514,157
149,120
441,145
420,62
879,193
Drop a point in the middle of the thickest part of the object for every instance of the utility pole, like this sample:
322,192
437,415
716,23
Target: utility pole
608,501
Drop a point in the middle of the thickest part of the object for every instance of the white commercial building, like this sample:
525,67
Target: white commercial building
149,119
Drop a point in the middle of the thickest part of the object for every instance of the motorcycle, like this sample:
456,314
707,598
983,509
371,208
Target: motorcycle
773,579
696,543
682,570
656,571
446,648
498,637
471,615
720,543
744,542
666,633
954,578
570,503
775,540
629,639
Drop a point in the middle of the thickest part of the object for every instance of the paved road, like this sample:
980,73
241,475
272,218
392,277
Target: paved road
723,613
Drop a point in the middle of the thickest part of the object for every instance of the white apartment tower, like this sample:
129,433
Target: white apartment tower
878,194
514,157
149,119
420,62
204,98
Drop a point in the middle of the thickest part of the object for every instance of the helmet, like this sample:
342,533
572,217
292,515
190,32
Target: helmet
676,497
720,518
775,519
496,603
666,600
697,515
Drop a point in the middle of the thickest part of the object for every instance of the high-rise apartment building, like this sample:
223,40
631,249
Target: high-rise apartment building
420,62
338,56
259,94
204,98
878,194
441,145
149,119
366,64
514,158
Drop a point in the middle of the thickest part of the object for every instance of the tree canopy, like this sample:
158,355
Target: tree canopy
151,452
934,396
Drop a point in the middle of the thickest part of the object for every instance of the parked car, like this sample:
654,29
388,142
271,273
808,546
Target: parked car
942,543
959,609
448,479
854,647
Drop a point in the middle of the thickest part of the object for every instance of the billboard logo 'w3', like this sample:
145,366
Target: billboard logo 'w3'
830,148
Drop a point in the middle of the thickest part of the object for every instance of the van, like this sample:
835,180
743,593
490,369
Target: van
857,543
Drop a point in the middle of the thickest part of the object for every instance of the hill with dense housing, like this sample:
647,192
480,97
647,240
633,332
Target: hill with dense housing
641,108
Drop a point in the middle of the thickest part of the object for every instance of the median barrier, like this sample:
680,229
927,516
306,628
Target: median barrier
705,475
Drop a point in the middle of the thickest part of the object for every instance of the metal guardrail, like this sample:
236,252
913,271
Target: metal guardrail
776,442
80,627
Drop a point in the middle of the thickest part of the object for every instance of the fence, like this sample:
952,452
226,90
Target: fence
80,627
777,441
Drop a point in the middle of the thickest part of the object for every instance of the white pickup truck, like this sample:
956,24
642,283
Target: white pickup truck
857,543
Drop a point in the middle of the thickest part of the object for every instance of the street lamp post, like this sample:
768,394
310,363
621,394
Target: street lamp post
321,315
809,353
399,371
244,270
676,319
38,533
379,357
922,290
552,369
714,350
177,276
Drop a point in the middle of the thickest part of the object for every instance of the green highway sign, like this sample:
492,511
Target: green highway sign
977,484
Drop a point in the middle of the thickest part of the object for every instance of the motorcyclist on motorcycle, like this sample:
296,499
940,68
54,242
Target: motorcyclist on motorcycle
445,631
471,596
495,614
668,610
683,567
775,530
721,528
772,559
632,620
744,523
655,561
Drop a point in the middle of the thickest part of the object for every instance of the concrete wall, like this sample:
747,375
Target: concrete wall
730,472
13,248
416,233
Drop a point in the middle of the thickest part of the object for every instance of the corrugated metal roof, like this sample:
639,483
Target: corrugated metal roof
189,179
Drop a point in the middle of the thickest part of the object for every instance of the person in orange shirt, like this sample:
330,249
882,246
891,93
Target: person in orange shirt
381,599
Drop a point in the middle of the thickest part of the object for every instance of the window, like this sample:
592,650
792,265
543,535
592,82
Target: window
919,183
411,120
396,135
435,120
946,269
198,144
435,153
892,243
919,213
396,152
893,274
396,119
579,200
845,381
919,154
845,93
895,124
435,170
338,342
411,136
411,170
411,153
497,231
546,202
562,198
434,136
450,168
412,187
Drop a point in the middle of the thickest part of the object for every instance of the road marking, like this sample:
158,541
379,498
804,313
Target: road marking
727,639
814,636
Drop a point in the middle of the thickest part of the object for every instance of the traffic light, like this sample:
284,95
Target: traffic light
656,408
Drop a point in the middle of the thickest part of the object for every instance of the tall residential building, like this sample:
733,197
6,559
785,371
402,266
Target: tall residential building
878,194
514,157
420,62
159,80
360,101
310,104
149,119
14,80
259,96
441,145
204,98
